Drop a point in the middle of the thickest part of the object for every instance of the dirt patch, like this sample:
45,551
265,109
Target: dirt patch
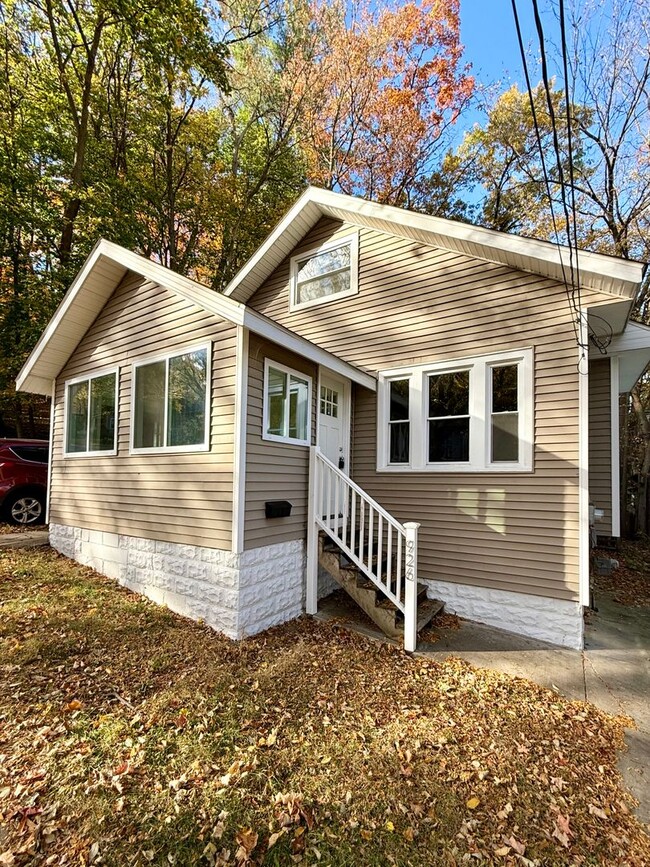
630,583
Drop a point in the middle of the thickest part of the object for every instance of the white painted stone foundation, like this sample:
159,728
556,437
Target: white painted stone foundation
554,620
237,594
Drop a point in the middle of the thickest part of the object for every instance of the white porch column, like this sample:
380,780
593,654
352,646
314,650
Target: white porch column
311,602
411,587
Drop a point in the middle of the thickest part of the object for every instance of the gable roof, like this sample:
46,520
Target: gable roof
618,277
102,272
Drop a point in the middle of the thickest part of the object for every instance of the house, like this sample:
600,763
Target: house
392,401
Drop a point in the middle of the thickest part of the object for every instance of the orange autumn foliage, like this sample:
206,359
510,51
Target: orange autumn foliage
378,85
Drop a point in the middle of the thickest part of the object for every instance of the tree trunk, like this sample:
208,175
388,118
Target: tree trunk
644,426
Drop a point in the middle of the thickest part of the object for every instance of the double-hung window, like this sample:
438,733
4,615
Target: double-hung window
170,403
325,274
90,414
287,404
470,415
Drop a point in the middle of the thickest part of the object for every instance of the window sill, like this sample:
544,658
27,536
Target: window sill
104,454
170,450
452,469
271,438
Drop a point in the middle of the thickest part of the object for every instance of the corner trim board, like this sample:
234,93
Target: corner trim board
583,461
615,446
239,457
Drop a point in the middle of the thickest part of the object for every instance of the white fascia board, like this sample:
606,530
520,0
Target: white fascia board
264,327
271,240
538,256
35,376
37,383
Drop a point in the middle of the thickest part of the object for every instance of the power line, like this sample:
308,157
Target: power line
572,286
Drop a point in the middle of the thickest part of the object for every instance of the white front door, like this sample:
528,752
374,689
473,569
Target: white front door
334,429
334,421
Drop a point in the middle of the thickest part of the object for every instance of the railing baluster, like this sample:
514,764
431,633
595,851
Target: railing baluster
367,539
329,498
337,511
398,588
389,556
379,549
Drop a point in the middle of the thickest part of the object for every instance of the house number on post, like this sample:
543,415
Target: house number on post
410,559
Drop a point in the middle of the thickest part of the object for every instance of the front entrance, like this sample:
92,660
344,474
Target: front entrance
334,430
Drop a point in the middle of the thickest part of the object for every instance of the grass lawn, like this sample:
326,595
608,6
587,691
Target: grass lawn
129,735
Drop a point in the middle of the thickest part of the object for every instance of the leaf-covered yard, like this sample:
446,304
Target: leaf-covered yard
129,735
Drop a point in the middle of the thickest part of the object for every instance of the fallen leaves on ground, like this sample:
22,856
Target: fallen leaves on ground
129,735
629,584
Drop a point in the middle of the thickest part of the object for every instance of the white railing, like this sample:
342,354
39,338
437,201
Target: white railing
383,549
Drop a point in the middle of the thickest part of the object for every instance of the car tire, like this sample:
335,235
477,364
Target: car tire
25,508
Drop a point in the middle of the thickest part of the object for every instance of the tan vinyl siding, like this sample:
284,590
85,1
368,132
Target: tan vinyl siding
514,531
600,442
274,471
184,498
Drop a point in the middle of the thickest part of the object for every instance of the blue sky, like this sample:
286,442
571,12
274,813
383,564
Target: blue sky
490,38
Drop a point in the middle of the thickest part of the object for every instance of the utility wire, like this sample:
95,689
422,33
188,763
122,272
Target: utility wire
547,181
573,291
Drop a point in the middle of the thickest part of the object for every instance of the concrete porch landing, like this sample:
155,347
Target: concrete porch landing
613,671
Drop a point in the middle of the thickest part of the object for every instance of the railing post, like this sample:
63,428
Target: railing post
411,586
311,601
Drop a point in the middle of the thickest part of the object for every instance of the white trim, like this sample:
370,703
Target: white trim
51,449
617,277
351,240
88,377
479,389
289,371
165,449
264,327
583,462
83,302
616,447
239,455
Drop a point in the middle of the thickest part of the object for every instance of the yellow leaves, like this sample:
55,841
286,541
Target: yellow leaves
270,740
366,834
73,705
389,826
472,803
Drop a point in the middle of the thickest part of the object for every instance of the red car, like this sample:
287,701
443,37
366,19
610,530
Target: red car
23,481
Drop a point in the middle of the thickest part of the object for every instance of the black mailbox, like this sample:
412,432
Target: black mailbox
277,508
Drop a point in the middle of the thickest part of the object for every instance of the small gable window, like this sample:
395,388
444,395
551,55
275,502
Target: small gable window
170,402
325,274
90,414
287,402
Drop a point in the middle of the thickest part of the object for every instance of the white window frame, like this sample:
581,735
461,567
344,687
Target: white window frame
87,377
351,240
290,371
142,362
480,447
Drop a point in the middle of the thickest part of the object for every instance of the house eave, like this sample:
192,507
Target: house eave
102,272
606,274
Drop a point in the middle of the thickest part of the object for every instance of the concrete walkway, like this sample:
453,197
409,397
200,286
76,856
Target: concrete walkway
613,672
24,539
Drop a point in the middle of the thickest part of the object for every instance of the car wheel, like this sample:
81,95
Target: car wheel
25,509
